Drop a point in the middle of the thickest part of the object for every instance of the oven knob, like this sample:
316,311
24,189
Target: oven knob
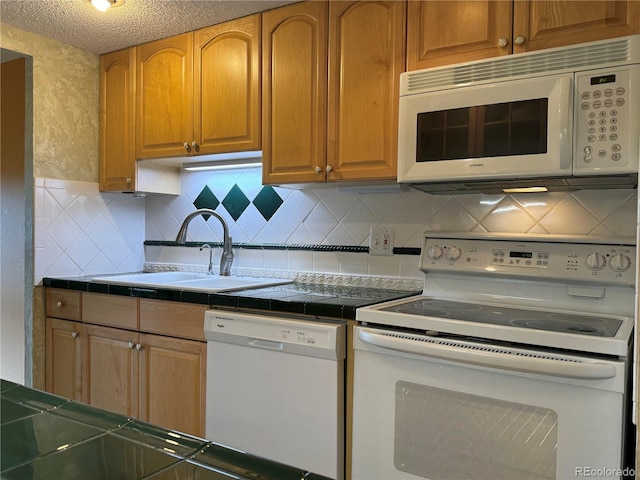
454,253
596,261
435,252
620,263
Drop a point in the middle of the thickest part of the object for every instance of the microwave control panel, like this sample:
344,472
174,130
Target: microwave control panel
606,129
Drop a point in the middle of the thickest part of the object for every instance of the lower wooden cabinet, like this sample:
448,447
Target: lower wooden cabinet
63,369
154,377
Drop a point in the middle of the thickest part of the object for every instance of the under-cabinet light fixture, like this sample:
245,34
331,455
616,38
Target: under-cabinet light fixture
525,190
225,161
104,5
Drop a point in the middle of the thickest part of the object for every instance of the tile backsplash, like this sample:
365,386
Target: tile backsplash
80,231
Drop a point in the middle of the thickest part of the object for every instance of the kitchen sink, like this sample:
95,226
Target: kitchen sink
199,282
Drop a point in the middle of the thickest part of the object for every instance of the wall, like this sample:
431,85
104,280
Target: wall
329,216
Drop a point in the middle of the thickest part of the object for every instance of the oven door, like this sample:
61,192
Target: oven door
426,407
518,128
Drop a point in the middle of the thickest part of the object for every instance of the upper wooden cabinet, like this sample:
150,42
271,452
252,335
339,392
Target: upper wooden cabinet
327,113
448,32
117,117
198,93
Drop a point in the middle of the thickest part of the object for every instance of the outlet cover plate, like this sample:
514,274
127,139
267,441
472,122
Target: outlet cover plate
381,240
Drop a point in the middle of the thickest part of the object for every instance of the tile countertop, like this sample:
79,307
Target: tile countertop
335,301
46,436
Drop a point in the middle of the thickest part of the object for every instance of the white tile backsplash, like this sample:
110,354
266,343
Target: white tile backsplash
80,231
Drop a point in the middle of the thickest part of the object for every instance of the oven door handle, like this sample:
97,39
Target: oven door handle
585,370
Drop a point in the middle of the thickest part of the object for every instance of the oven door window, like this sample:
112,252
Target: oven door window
442,434
500,129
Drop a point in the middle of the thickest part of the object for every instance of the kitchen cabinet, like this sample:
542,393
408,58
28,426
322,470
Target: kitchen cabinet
449,32
330,91
198,93
138,357
119,170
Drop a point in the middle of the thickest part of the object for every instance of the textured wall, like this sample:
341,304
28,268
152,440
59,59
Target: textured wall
66,91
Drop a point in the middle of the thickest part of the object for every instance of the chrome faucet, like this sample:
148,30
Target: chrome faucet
227,251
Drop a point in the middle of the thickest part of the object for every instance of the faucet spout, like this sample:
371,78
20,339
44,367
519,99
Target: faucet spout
227,249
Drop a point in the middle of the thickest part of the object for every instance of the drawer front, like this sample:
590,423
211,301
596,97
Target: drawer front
175,319
61,303
110,310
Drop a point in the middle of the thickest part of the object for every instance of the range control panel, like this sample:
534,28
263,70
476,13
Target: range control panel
601,262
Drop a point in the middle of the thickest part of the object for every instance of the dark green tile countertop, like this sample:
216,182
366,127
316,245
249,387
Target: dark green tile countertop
46,437
302,298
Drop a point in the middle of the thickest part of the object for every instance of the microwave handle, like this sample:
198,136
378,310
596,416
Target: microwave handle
586,370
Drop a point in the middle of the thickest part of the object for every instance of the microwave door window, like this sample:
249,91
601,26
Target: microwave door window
503,129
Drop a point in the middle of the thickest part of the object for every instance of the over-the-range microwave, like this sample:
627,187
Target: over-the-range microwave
557,119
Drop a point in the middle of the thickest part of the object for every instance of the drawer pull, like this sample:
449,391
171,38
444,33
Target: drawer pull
59,304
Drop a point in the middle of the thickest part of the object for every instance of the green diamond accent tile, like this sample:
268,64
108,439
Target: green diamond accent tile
206,199
267,202
235,202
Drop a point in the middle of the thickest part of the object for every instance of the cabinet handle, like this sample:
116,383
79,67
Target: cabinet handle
317,169
130,345
138,347
59,304
519,40
329,168
74,334
187,147
502,42
196,147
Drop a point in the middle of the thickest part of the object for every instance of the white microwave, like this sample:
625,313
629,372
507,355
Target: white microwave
557,119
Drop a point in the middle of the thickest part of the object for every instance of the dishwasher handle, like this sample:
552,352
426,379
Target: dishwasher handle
266,344
489,356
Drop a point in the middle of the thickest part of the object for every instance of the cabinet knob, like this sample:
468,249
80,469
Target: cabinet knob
129,180
317,169
59,303
502,42
187,147
74,334
519,40
130,345
138,347
329,168
196,147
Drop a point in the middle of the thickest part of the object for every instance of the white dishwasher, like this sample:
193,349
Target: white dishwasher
275,388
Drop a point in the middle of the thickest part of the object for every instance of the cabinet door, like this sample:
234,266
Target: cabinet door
164,110
546,24
366,57
294,93
110,370
117,132
450,31
172,383
63,358
227,86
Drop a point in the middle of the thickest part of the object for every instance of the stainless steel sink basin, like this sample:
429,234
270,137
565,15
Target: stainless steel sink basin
199,282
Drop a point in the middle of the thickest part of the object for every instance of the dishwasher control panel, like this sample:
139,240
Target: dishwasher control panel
304,337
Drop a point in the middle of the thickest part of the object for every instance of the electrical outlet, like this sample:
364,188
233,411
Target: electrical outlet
381,241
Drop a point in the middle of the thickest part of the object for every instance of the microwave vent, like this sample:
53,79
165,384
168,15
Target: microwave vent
585,56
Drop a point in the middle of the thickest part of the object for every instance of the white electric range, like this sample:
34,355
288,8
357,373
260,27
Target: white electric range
514,362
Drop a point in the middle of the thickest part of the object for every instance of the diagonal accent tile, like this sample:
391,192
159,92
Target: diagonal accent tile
235,202
267,202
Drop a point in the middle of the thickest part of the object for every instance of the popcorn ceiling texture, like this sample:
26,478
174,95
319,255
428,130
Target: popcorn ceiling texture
79,24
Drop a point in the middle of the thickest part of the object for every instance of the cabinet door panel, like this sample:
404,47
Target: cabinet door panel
227,86
63,358
117,132
366,57
447,32
164,113
110,373
173,379
553,23
294,56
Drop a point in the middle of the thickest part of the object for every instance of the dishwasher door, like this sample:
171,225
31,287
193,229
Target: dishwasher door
275,388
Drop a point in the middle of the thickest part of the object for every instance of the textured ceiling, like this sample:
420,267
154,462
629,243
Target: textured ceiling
78,23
